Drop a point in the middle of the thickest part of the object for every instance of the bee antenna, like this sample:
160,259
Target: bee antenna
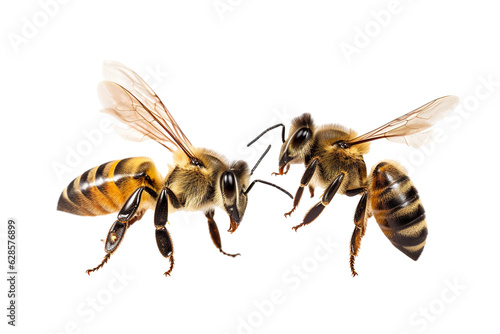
260,159
268,129
269,184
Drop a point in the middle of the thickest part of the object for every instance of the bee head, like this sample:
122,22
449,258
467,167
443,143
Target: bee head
299,141
233,183
235,188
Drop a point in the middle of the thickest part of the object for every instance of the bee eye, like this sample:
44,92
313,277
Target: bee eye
301,136
228,185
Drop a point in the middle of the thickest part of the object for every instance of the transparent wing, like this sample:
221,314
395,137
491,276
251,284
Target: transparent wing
411,127
127,97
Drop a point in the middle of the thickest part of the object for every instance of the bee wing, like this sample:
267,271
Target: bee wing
127,97
409,128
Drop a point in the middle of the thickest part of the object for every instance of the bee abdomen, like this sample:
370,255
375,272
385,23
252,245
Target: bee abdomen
105,188
398,209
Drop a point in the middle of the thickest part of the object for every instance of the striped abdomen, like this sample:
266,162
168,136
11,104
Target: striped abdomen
105,188
397,208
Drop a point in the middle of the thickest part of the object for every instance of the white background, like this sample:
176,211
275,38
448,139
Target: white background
227,73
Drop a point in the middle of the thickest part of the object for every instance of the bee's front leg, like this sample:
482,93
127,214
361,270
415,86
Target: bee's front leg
315,211
282,171
306,178
214,232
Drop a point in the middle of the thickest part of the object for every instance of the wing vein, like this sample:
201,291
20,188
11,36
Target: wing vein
127,97
410,127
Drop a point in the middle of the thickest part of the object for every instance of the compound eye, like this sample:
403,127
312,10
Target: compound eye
301,136
228,183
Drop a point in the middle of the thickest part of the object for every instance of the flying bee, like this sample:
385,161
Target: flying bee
333,157
198,180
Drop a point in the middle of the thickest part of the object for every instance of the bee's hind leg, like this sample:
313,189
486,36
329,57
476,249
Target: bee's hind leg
214,233
126,217
360,218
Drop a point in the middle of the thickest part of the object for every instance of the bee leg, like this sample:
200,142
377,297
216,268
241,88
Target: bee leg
355,191
315,211
126,217
360,219
163,239
311,190
282,171
214,232
137,217
164,242
306,178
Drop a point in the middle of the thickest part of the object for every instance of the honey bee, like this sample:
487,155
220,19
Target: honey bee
199,179
333,157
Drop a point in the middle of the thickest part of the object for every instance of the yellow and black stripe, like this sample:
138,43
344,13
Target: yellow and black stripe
398,209
104,189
